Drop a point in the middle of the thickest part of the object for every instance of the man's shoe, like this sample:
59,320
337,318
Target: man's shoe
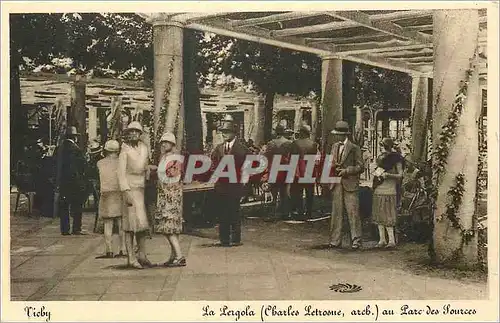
237,244
66,234
333,246
80,233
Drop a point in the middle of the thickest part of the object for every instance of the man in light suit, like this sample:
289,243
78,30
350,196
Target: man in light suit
348,161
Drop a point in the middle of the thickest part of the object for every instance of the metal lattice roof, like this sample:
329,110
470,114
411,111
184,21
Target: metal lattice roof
394,39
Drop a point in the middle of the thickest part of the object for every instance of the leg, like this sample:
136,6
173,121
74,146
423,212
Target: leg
309,199
108,235
141,243
76,212
381,235
121,235
392,240
336,219
351,200
129,240
236,223
64,215
173,239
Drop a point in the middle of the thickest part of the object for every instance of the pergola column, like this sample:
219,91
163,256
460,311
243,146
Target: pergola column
314,120
419,102
92,131
259,117
168,77
456,34
331,97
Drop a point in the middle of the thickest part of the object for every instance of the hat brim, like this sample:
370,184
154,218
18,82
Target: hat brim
112,150
173,143
336,132
131,129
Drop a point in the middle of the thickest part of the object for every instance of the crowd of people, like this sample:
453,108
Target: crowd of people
124,168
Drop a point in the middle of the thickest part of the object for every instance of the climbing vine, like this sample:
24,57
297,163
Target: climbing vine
441,153
155,147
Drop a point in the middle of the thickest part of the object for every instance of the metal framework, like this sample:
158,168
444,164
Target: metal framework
399,40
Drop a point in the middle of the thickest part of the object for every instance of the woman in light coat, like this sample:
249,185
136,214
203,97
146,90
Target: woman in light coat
168,220
132,171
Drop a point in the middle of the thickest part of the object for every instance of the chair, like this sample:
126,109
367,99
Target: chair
24,183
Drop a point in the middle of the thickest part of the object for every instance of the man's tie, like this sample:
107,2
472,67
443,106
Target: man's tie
341,150
226,148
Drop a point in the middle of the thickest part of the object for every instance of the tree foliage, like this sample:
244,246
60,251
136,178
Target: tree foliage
266,68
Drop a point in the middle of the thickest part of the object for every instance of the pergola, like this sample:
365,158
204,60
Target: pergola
408,41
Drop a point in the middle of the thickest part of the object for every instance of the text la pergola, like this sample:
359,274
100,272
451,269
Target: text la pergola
253,165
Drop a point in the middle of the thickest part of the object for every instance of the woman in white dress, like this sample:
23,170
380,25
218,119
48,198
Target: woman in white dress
132,168
110,201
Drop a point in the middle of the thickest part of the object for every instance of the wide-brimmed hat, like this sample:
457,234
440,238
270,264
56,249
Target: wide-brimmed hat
72,131
112,146
341,128
169,137
95,147
134,125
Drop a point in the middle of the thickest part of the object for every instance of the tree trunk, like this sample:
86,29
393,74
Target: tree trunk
78,117
18,119
268,120
455,43
193,123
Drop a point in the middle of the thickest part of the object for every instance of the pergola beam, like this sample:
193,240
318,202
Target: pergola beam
258,35
404,53
385,27
345,40
374,47
274,18
331,26
381,62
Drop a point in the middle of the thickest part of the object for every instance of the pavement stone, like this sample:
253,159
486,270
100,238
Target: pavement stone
50,267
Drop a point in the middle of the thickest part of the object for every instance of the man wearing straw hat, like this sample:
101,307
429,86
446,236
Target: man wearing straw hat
348,161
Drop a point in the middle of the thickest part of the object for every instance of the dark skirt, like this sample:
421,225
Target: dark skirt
384,210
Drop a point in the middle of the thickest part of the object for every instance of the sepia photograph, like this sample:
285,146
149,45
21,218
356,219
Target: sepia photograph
321,154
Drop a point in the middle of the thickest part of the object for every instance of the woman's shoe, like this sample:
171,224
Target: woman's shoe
108,255
121,254
390,245
145,263
180,262
135,265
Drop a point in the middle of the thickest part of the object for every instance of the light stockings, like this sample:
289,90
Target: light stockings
173,239
129,243
141,243
108,235
390,233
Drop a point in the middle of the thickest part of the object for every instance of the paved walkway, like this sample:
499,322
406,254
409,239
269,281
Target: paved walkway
48,266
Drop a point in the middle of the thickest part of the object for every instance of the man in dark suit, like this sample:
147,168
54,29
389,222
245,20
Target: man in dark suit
279,147
348,161
302,146
228,194
73,184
